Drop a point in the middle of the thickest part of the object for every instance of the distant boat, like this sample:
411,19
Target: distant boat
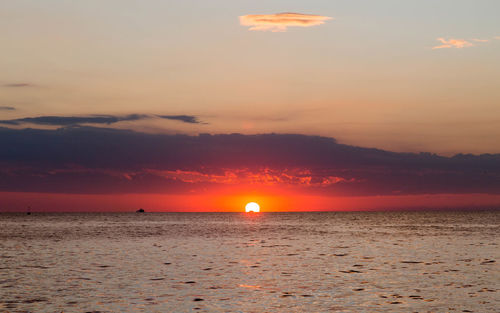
140,211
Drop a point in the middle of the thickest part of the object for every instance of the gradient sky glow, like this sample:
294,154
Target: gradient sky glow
401,76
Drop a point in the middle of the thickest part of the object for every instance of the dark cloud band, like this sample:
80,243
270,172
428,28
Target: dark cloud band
96,160
18,85
93,119
183,118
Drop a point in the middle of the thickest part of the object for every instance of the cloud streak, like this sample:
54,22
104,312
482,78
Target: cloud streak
73,120
453,43
18,85
94,119
183,118
281,21
7,108
480,40
460,43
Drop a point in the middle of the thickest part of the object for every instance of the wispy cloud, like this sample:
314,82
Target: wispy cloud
480,40
94,119
7,108
18,85
461,43
183,118
281,21
264,176
73,120
453,43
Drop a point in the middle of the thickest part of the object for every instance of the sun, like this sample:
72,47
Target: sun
252,207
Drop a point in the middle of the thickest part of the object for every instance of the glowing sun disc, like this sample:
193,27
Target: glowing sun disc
252,207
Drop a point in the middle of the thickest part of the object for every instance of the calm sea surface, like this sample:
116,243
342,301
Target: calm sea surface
268,262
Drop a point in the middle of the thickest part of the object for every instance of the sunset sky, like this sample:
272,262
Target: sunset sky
115,105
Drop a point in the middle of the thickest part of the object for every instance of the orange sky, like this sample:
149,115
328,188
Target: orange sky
49,202
297,105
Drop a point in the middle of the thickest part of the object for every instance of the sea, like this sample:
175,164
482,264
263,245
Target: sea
432,261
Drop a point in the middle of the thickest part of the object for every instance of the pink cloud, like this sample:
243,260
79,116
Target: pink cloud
453,43
480,40
281,21
265,176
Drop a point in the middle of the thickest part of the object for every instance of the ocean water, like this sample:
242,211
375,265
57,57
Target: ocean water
267,262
